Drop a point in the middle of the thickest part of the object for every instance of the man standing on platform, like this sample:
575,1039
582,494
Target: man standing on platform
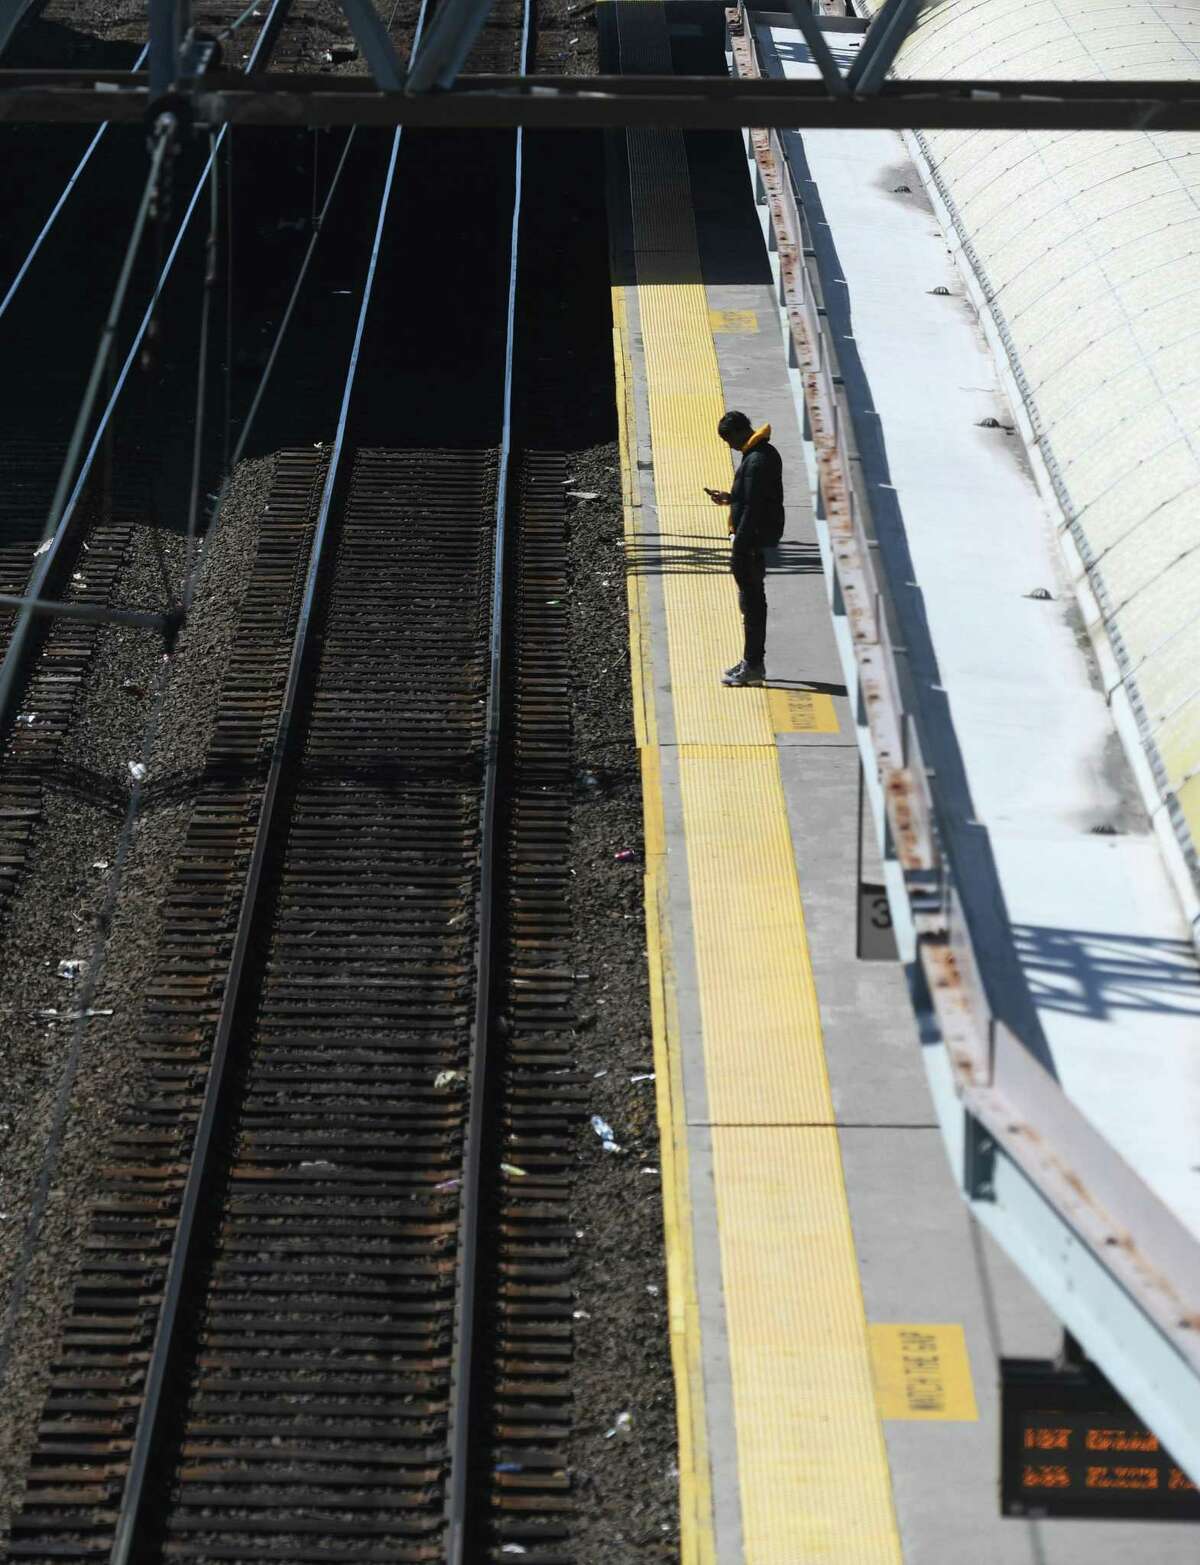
755,523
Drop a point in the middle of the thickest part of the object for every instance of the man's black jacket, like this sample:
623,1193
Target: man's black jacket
756,514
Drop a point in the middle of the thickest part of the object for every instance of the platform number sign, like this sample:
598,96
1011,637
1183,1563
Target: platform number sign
876,937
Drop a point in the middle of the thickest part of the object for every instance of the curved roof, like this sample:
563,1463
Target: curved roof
1086,248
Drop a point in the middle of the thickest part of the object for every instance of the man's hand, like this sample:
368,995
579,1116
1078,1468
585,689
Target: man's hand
718,496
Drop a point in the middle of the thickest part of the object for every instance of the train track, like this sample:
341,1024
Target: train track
325,1309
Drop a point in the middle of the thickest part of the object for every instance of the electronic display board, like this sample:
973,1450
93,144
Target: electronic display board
1070,1446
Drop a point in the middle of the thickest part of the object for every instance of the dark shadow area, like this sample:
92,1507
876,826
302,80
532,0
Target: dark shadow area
672,555
964,841
820,687
1095,973
40,44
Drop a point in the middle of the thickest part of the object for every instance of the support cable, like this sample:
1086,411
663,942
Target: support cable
57,518
210,283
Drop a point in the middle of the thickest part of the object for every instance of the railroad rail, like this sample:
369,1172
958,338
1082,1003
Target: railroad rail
325,1309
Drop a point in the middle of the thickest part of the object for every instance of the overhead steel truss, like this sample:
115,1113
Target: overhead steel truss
183,77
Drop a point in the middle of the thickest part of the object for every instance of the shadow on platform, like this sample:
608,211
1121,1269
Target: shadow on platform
1094,973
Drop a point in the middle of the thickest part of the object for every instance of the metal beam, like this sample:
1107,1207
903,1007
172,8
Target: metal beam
94,613
701,103
449,41
376,46
810,26
880,45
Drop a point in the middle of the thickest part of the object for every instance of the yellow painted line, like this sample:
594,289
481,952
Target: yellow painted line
812,1464
734,322
697,1538
923,1371
802,712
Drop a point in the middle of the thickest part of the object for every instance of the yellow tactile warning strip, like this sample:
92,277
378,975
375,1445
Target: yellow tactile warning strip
922,1371
697,1546
812,1464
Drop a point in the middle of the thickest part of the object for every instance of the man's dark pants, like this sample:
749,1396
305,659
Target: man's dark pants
749,569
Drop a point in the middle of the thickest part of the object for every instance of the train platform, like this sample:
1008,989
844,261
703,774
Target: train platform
837,1313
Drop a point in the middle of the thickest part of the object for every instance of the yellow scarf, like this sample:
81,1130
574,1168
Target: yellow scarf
757,438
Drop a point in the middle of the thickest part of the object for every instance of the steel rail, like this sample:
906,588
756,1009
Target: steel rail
34,603
463,1382
126,1538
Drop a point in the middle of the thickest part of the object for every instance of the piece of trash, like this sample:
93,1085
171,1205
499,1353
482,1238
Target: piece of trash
511,1168
27,719
596,1075
589,780
624,855
509,1467
649,1170
642,1076
137,771
448,1184
70,968
77,576
602,1128
580,1315
83,1015
1040,594
583,494
340,53
447,1078
513,1548
341,290
318,445
553,602
319,1162
652,1287
42,547
622,1425
99,863
131,687
571,42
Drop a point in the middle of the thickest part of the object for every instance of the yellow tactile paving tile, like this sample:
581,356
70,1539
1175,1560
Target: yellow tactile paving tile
814,1474
764,1059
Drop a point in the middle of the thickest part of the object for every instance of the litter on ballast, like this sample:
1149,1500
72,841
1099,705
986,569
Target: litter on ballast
622,1425
447,1078
624,855
27,719
448,1184
580,1315
649,1170
70,968
642,1076
652,1288
320,1162
99,863
509,1467
78,578
596,1075
602,1128
511,1168
137,771
582,494
42,547
513,1548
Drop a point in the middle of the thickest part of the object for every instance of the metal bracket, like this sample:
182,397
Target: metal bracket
879,48
456,25
809,24
979,1161
373,40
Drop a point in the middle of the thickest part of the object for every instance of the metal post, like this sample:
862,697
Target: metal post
440,58
375,44
170,23
880,45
